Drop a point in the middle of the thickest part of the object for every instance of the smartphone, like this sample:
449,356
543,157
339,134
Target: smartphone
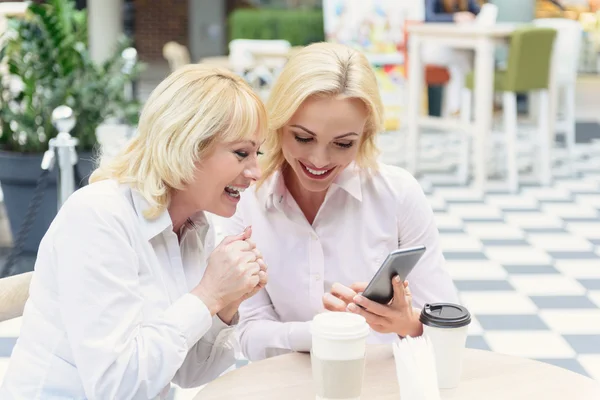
399,262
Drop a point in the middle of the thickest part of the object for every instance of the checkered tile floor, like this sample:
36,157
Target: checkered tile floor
527,265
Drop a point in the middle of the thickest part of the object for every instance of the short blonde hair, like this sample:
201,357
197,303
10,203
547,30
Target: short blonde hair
189,112
323,70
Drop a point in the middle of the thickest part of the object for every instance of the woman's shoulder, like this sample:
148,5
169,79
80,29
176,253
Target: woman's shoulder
397,179
104,198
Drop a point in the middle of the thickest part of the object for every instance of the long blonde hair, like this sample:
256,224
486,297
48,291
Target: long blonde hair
194,108
322,70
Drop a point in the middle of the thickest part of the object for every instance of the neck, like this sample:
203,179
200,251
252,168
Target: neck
179,210
309,202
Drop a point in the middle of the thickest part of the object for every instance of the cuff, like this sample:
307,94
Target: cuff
219,328
192,318
299,336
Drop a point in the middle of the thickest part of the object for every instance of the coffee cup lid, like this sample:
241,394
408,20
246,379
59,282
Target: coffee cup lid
445,315
339,325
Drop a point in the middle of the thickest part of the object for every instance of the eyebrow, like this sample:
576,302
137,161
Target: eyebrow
314,134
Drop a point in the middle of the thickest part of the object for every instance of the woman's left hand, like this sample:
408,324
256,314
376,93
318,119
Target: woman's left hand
397,317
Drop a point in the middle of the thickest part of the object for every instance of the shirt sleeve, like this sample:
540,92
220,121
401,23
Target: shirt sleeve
212,355
429,280
261,333
120,353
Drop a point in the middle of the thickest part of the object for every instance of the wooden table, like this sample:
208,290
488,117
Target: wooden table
483,40
486,375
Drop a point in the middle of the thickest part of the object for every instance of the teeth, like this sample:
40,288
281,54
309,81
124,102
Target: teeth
237,189
312,171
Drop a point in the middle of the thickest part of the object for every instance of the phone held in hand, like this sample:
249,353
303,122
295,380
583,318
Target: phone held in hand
399,262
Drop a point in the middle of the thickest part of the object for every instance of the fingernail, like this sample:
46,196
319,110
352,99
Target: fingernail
397,279
352,307
358,299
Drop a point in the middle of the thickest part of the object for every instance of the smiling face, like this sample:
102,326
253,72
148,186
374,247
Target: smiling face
229,169
322,139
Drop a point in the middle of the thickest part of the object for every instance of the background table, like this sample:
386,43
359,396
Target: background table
486,375
481,39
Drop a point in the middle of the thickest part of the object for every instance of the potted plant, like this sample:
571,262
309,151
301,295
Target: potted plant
46,64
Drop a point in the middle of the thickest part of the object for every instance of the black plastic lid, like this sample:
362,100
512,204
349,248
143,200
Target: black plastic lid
445,315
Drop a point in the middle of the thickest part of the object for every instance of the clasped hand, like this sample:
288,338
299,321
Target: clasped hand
397,317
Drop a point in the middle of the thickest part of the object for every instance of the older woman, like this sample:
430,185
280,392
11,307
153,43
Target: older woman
129,292
326,213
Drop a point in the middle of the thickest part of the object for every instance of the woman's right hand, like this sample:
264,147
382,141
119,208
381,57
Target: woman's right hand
232,272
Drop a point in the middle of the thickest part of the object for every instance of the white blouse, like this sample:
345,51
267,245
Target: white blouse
362,219
109,314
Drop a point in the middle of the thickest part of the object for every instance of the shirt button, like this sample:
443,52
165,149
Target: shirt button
314,236
317,277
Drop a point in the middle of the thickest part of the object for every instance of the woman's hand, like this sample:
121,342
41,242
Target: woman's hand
397,317
463,16
233,272
227,314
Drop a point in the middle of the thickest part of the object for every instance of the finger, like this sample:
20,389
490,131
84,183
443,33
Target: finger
257,252
359,287
399,300
263,277
241,245
372,306
371,318
263,265
332,303
252,268
242,236
247,257
343,292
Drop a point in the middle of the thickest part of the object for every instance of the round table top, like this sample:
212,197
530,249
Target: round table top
486,375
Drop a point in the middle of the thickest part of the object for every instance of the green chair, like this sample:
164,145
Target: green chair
528,70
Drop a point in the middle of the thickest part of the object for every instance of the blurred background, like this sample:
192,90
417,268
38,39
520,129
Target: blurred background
525,256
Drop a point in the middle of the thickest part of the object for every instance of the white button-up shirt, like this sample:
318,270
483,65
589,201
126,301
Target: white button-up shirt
109,314
363,218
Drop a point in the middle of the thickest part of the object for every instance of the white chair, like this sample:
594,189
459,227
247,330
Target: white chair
14,292
258,60
176,54
565,63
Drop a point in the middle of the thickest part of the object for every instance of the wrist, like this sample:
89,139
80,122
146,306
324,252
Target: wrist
212,302
228,313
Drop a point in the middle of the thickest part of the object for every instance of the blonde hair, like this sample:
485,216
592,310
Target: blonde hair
189,112
323,70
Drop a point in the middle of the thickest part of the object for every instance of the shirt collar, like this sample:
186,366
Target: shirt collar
274,191
154,227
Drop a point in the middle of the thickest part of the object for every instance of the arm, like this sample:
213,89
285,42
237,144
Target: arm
433,15
210,357
429,281
262,335
120,353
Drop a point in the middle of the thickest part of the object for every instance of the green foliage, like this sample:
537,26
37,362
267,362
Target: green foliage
49,65
299,27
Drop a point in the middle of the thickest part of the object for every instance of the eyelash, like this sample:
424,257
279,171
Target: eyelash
340,145
243,154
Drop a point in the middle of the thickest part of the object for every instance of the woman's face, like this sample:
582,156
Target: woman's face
322,139
223,174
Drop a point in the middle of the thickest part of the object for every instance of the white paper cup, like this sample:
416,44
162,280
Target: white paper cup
338,355
446,326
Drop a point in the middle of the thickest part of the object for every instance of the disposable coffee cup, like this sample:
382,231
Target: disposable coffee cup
338,355
446,325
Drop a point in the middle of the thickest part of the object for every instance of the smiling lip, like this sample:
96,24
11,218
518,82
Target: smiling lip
316,176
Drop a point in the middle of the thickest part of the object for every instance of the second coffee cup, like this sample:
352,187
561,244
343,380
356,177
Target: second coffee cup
338,355
446,325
